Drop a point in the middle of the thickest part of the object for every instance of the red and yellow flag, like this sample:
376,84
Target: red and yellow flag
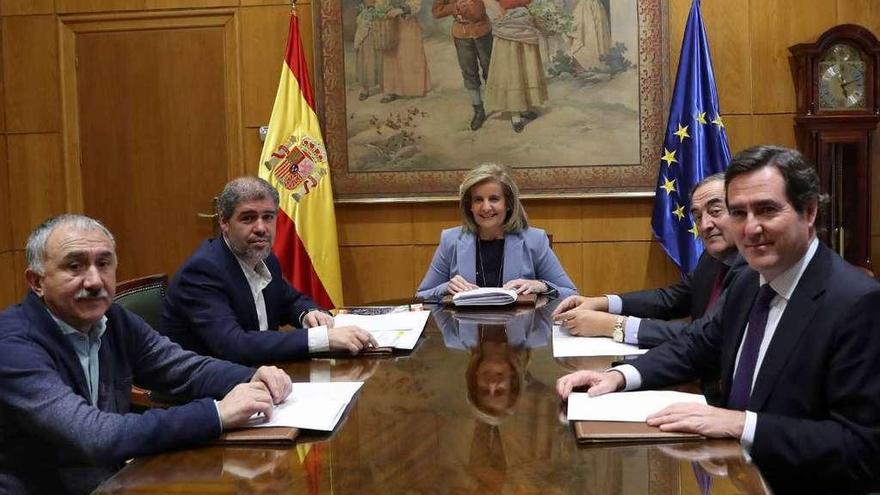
294,160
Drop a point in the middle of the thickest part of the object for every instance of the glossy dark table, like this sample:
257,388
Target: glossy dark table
471,410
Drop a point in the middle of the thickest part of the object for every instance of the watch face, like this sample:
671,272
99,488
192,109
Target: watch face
842,79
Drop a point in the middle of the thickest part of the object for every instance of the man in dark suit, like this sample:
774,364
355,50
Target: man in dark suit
797,341
70,357
229,298
691,297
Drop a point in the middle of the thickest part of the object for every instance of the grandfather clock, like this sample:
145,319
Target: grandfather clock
837,112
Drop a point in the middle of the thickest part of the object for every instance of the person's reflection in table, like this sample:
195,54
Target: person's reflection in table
719,460
499,343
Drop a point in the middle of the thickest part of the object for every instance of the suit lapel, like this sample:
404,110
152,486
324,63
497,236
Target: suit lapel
795,319
513,257
466,256
702,283
240,288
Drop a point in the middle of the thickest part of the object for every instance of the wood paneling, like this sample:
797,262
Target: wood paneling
571,256
8,292
5,218
250,3
739,132
26,7
252,149
863,12
374,224
30,71
620,219
727,30
263,35
376,273
429,219
19,263
160,141
36,188
774,129
561,218
77,6
636,265
421,260
774,26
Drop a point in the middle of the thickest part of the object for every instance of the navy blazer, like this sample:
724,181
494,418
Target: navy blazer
209,309
53,440
817,393
527,255
688,298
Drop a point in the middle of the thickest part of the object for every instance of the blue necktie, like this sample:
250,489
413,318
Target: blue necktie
741,389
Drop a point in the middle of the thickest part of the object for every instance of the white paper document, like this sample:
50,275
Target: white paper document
312,406
399,330
566,345
625,406
485,296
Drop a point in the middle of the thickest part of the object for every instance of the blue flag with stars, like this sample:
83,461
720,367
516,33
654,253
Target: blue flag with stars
695,146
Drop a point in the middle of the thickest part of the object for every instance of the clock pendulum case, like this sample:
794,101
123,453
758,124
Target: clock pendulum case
836,81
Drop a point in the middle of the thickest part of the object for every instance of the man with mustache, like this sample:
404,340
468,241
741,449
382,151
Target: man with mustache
691,297
797,341
70,356
229,298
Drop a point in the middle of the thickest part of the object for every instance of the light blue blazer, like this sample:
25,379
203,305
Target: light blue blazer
527,255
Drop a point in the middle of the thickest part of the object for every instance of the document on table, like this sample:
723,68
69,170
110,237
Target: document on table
485,296
312,406
566,345
399,330
625,406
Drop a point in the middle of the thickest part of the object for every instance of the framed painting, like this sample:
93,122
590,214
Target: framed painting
567,93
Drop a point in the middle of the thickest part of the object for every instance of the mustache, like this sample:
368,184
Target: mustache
92,293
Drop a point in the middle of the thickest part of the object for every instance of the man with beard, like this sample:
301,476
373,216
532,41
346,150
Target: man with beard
229,298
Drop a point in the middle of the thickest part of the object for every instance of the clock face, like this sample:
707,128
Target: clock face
842,79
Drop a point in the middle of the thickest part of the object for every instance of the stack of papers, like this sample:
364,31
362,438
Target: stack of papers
311,406
485,296
567,345
625,406
399,330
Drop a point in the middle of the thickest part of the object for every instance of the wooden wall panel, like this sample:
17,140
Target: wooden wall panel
30,71
78,6
739,132
250,3
421,260
571,257
6,243
26,7
19,263
8,294
774,129
36,189
775,25
617,219
614,267
374,225
252,149
560,218
376,273
263,35
429,219
863,12
728,34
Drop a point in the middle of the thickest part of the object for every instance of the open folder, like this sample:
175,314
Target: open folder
621,416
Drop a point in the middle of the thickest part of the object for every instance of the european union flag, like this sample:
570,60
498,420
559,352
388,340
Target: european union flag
695,146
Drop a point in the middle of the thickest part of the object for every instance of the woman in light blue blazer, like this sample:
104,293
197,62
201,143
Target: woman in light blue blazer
495,247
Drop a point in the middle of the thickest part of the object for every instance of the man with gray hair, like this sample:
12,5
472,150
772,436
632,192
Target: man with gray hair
229,297
70,357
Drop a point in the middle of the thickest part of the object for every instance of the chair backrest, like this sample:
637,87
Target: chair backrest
143,297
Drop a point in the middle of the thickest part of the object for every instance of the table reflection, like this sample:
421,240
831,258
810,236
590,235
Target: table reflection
472,409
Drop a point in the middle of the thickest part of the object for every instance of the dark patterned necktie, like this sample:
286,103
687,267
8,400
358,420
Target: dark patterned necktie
741,389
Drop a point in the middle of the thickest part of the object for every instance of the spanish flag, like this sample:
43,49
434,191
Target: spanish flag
294,160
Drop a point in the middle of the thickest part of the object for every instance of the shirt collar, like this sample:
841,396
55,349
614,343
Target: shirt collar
785,283
96,332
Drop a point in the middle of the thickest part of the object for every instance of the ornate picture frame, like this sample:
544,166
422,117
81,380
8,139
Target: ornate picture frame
338,99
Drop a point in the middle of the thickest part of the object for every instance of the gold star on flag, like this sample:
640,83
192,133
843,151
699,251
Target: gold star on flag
682,133
693,230
668,157
668,185
701,117
678,212
718,122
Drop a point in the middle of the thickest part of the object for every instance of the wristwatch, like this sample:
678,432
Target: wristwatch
617,332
